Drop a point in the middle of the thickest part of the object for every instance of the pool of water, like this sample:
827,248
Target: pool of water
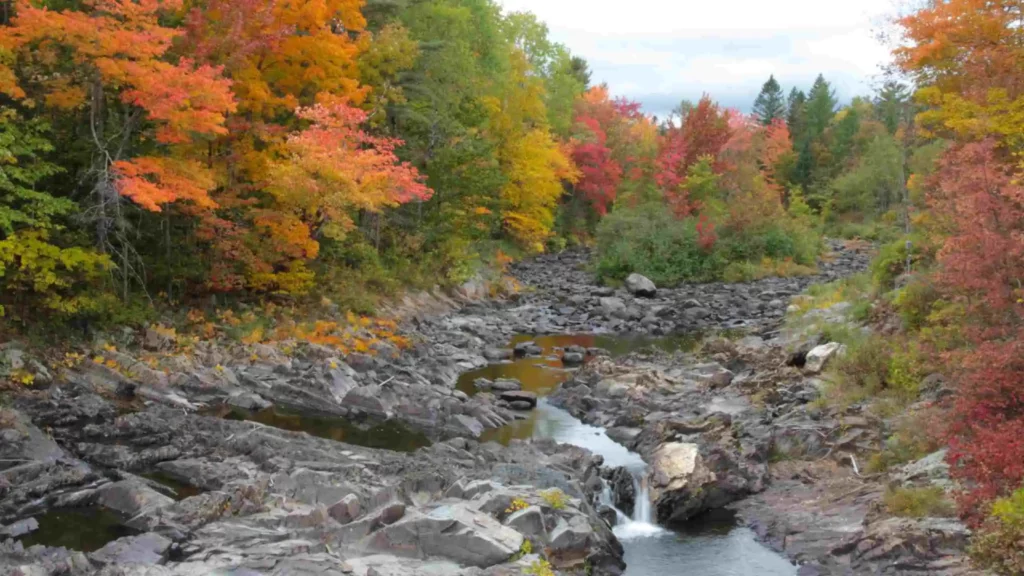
542,374
707,546
82,529
389,434
180,489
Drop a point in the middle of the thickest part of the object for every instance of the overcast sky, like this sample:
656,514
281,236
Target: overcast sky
662,51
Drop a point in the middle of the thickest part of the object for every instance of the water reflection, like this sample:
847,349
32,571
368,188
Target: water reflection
389,434
180,489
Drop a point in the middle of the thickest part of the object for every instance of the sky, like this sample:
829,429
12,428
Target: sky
660,52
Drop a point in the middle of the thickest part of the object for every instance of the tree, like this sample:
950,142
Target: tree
144,108
819,109
795,112
892,105
771,103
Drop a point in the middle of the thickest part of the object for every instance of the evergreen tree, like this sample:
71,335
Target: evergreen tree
795,113
892,105
770,104
820,108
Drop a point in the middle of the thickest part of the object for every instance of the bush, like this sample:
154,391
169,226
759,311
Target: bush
999,545
650,241
554,498
924,502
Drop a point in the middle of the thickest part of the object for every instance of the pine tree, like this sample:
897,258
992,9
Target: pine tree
795,113
770,103
820,107
891,105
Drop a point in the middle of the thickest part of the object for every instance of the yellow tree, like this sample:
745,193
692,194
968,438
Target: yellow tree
534,164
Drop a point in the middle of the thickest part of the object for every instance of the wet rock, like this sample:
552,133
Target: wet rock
467,426
572,359
497,354
641,286
678,480
528,349
506,385
248,401
513,396
19,528
819,357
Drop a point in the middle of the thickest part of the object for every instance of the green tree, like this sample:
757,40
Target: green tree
892,105
770,103
820,108
795,113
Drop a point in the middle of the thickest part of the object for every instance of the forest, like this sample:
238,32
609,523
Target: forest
162,155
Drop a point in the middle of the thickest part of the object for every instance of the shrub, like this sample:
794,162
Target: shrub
554,498
649,240
915,301
923,502
540,568
999,545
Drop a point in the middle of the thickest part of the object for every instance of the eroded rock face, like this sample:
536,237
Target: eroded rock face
678,481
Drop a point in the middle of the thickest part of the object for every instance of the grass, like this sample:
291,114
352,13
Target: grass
554,498
918,502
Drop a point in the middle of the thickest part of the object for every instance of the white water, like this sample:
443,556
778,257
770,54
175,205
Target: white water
651,550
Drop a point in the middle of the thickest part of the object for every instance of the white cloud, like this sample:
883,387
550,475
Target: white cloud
661,51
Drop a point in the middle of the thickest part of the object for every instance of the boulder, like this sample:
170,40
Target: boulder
612,306
467,426
678,480
248,401
370,399
506,385
641,286
497,354
131,498
454,532
520,396
146,548
346,510
529,522
819,356
572,359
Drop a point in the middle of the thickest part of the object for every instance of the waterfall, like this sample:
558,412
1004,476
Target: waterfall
642,524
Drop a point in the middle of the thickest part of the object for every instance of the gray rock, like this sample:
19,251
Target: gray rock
454,532
131,498
467,425
248,401
146,548
641,286
572,359
498,354
529,522
819,356
520,396
346,510
612,306
19,528
506,385
521,406
371,400
573,534
696,314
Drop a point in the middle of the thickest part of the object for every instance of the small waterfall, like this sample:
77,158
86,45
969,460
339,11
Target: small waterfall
642,524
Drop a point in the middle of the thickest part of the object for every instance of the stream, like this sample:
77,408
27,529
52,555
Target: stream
712,545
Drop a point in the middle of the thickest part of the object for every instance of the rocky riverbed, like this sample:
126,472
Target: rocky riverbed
268,459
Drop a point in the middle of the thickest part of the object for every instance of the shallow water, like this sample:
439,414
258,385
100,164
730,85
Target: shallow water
83,529
390,434
707,546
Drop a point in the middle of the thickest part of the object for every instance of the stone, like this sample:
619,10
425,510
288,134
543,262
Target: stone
369,399
148,548
529,522
572,359
521,406
248,401
506,385
520,396
641,286
19,528
932,469
131,498
346,510
158,341
603,291
819,357
696,314
677,478
454,532
612,306
391,513
572,534
467,425
497,354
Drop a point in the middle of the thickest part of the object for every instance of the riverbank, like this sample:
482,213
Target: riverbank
270,437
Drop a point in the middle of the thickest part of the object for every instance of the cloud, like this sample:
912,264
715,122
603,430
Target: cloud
661,52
